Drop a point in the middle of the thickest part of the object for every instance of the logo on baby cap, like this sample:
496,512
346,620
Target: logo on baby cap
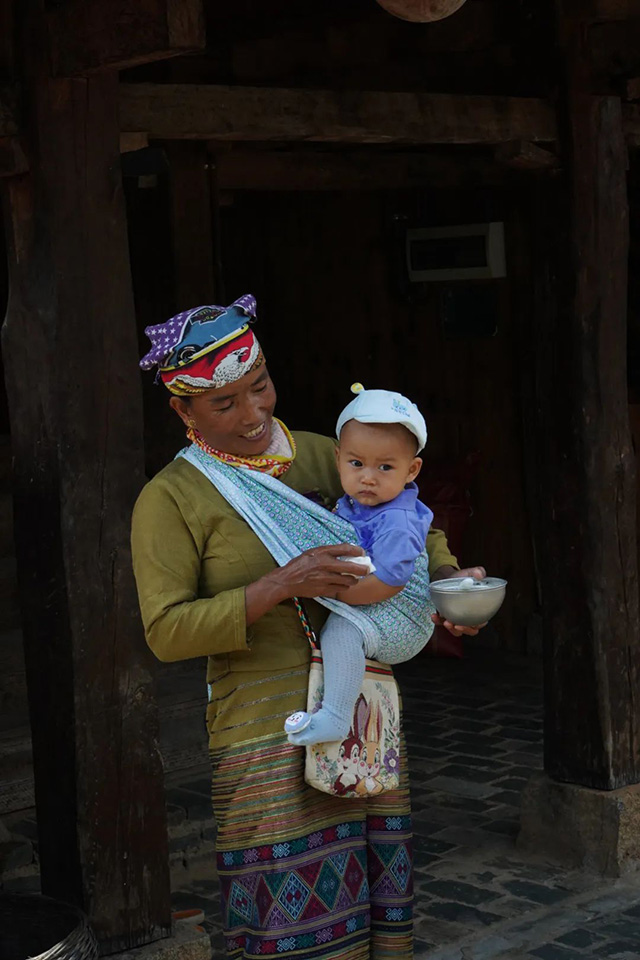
400,407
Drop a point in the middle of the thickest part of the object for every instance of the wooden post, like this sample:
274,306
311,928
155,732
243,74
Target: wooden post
585,522
70,353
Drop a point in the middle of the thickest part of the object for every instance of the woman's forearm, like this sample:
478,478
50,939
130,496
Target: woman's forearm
321,572
263,595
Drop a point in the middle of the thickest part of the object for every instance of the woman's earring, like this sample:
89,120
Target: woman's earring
191,423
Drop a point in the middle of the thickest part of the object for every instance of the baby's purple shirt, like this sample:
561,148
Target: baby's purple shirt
393,534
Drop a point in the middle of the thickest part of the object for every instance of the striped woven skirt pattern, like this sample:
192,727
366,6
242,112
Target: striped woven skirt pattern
302,874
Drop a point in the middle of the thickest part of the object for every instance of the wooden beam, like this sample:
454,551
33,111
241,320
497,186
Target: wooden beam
130,142
525,156
369,170
70,353
197,112
93,35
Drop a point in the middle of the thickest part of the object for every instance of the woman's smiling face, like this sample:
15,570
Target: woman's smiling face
235,419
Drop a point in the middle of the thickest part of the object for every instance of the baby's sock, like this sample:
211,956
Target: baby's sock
343,661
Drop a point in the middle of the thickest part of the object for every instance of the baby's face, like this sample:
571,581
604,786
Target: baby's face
376,460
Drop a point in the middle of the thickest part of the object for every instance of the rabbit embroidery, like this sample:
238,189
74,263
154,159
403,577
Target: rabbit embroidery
348,757
369,765
359,754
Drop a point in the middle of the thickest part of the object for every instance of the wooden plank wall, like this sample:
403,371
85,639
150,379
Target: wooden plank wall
320,266
490,46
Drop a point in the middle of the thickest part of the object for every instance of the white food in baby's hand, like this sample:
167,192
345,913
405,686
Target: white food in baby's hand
361,561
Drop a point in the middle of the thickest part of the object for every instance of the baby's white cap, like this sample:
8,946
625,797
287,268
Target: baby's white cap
383,406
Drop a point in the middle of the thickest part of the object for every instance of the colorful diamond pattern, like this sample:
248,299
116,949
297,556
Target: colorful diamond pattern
309,872
314,908
353,876
264,899
278,918
294,895
240,901
326,899
385,852
339,860
328,885
385,887
400,869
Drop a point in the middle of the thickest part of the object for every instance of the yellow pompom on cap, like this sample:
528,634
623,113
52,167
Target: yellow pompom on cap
383,406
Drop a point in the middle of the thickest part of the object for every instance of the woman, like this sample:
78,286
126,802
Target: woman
302,873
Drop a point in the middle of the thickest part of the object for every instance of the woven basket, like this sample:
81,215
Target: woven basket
39,928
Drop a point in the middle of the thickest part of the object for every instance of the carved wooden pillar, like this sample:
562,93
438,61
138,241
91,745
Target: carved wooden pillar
70,353
585,500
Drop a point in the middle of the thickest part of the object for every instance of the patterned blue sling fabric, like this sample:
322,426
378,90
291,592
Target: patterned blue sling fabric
289,523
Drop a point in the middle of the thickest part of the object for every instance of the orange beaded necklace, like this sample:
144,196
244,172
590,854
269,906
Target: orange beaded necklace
275,464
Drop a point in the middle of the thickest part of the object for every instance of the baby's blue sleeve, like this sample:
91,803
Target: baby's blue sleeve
396,548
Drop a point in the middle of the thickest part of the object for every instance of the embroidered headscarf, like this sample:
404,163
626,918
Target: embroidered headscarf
210,347
204,348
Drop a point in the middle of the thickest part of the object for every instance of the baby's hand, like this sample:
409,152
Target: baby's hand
365,562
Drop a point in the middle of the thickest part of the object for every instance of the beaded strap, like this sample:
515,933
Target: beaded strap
306,626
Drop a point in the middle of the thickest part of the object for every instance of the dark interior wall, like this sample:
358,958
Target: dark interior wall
333,308
151,252
322,265
490,46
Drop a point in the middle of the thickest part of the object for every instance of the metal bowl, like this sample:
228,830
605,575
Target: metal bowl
468,602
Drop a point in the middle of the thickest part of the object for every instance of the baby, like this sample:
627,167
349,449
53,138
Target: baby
379,437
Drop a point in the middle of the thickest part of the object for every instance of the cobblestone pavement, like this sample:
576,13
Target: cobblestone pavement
475,736
474,732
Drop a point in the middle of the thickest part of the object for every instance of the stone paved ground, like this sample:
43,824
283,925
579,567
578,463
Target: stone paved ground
474,735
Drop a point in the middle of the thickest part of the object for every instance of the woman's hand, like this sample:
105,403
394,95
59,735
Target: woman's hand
447,573
318,572
315,573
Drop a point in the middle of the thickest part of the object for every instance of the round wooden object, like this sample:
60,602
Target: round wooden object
421,11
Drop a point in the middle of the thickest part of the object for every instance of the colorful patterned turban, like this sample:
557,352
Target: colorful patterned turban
205,347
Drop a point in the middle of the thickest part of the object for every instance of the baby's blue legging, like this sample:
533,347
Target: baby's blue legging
343,659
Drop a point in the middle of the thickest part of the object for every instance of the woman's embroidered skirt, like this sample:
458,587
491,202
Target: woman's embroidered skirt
302,874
